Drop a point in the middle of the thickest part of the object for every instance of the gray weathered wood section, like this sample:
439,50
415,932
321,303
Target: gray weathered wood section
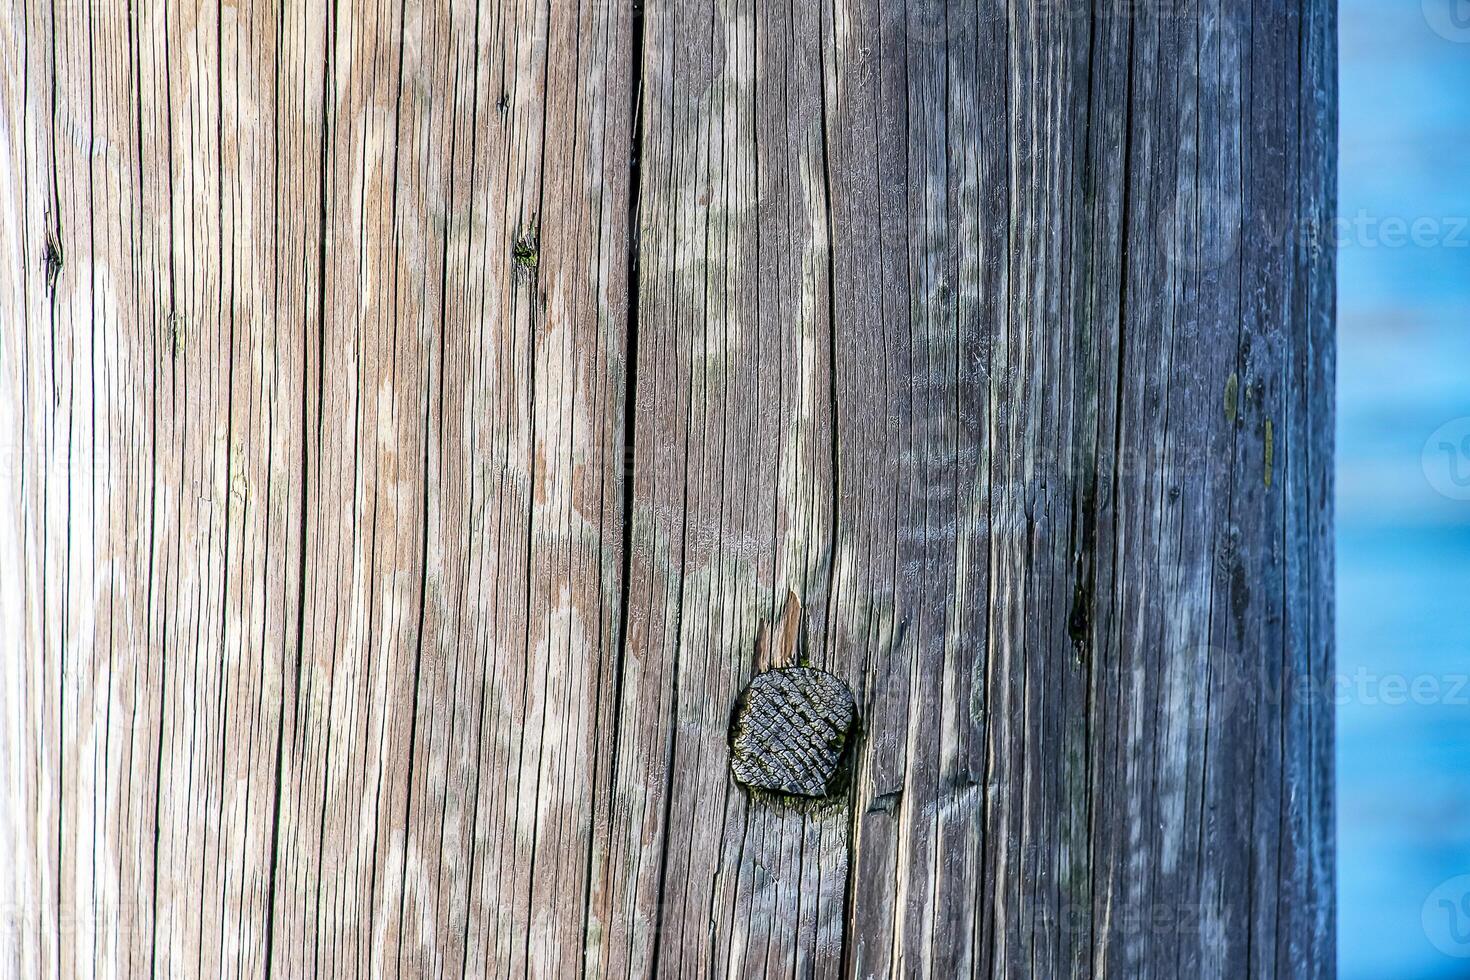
413,414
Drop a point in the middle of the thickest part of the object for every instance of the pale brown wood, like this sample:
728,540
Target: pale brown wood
419,422
318,487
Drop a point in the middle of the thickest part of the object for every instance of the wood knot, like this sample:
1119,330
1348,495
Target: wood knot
791,731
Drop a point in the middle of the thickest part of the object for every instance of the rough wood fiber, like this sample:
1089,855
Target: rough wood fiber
414,414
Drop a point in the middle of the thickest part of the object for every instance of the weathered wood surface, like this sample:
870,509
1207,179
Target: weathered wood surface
414,413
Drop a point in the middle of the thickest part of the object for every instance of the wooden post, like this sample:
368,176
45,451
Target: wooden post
423,421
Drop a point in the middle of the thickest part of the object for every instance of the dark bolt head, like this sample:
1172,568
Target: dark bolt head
791,730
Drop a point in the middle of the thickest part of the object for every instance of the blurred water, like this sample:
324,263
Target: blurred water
1403,546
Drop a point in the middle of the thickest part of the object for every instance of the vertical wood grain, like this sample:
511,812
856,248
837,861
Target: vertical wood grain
414,414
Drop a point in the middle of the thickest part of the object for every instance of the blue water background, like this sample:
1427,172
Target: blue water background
1403,549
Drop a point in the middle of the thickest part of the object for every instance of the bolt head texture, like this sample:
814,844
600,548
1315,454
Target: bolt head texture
791,731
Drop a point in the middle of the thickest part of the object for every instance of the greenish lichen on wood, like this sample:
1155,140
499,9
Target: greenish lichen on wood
527,250
1270,450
